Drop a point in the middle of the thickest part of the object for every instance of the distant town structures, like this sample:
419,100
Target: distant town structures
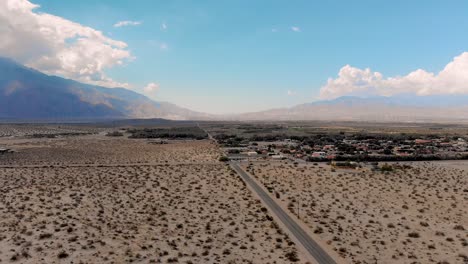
354,149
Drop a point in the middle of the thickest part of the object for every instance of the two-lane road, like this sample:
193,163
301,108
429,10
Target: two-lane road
295,229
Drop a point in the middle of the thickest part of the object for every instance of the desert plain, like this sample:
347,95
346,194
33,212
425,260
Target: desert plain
73,194
416,213
96,199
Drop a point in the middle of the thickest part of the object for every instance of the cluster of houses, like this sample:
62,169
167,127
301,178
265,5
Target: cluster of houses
372,149
261,149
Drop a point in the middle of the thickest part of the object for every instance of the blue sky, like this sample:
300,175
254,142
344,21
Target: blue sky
238,56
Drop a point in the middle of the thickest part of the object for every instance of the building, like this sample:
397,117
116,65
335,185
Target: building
422,141
278,157
319,154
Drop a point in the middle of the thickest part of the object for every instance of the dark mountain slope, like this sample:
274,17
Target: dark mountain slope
28,94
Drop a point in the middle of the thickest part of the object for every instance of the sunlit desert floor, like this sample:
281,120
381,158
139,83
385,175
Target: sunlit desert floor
94,149
111,209
414,215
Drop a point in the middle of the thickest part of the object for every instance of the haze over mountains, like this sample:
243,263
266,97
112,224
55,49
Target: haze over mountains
29,94
400,108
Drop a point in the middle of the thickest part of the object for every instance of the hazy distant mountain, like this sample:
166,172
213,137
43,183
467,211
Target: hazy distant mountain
387,109
28,94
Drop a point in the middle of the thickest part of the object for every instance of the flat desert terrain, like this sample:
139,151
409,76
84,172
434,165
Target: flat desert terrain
100,150
416,214
95,199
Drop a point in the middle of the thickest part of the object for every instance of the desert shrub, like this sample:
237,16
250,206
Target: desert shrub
318,230
115,134
292,256
386,167
223,159
45,236
62,255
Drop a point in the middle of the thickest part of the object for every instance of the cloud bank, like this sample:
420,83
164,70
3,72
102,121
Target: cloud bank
453,79
58,46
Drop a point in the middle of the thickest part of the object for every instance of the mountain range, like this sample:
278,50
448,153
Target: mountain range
27,94
399,108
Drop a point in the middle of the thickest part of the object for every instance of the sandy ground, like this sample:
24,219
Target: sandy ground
197,212
21,130
95,149
415,215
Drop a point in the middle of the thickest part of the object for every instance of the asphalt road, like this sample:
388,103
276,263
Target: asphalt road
210,137
295,229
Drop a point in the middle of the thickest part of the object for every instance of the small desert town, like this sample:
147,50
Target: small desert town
368,149
97,193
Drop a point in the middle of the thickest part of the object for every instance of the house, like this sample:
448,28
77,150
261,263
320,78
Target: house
278,157
461,142
328,147
306,147
319,154
422,141
252,153
317,147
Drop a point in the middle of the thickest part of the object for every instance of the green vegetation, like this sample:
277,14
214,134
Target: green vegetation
169,133
55,135
115,134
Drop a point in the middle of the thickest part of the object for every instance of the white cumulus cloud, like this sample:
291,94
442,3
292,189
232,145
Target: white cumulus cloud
127,23
151,88
296,29
453,79
58,46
